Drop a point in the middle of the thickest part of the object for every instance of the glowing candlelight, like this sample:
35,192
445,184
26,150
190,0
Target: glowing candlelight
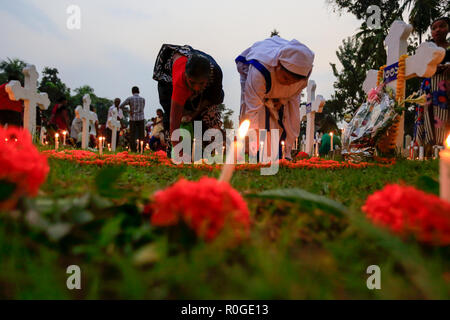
193,151
142,146
283,150
444,171
109,147
64,137
56,141
228,169
331,135
100,145
261,152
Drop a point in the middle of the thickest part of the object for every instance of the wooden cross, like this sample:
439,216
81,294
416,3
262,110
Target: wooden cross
423,64
114,125
29,95
85,116
314,105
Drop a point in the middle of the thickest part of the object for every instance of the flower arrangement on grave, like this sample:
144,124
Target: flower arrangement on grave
376,123
407,211
205,206
22,168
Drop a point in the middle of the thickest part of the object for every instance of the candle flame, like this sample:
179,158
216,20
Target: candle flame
447,141
282,143
243,129
331,133
57,135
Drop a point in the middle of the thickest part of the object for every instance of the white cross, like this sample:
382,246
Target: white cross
314,105
85,116
29,95
422,64
114,125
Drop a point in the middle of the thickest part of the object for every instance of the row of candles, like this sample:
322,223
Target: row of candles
418,152
228,169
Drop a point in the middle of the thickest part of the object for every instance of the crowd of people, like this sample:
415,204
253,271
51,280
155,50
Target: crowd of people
273,73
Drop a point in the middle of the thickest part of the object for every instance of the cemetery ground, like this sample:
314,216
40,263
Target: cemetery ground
296,249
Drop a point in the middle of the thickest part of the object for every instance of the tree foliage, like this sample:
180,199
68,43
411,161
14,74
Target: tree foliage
12,67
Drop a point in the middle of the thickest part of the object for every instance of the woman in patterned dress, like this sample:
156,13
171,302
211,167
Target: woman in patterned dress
432,122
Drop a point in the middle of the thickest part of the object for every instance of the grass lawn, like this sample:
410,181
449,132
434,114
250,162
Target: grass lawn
295,250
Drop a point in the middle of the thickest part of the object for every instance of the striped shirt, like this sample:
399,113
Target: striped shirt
137,105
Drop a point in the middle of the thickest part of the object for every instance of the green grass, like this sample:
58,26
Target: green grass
294,252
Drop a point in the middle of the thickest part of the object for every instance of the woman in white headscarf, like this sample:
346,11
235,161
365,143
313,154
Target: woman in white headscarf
273,74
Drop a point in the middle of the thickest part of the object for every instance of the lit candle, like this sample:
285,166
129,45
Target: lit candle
142,146
261,152
100,145
316,147
109,147
332,147
56,141
228,169
283,150
64,137
444,171
193,151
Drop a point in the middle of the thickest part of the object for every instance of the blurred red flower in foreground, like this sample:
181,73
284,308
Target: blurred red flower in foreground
406,210
21,163
205,206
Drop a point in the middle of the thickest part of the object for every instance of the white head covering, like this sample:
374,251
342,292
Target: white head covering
293,55
77,111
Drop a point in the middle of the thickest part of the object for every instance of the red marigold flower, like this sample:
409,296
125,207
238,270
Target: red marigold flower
302,155
205,206
406,210
20,162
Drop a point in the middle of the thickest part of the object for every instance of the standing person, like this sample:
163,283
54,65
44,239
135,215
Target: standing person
10,111
93,125
189,86
116,107
432,120
76,129
273,74
59,120
137,105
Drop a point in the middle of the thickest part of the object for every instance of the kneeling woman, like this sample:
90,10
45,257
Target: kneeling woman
189,87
